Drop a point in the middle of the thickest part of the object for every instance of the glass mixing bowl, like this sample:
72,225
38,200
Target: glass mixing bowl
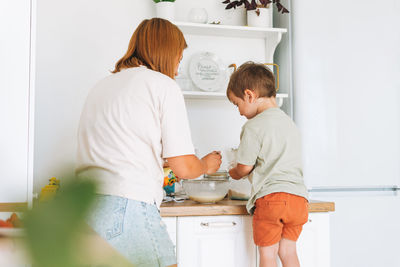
224,175
206,190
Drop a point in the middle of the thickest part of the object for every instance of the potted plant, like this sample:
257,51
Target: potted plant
165,9
259,13
235,13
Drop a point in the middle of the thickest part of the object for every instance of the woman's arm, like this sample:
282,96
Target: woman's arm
190,166
240,171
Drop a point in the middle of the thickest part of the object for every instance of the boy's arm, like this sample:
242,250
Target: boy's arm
240,171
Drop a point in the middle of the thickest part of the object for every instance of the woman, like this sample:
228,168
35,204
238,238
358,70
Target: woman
133,120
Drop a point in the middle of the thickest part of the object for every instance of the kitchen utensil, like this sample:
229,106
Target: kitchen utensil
206,190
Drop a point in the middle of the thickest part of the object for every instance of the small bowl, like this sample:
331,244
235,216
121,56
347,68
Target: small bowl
206,190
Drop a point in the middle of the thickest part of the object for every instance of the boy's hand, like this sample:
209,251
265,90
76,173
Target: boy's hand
240,171
233,174
212,162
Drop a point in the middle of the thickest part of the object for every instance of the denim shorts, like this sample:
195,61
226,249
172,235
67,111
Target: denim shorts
134,229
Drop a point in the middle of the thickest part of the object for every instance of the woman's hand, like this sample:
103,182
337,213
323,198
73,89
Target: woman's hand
189,166
212,162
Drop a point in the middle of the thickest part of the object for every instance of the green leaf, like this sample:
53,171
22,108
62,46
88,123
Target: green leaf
53,228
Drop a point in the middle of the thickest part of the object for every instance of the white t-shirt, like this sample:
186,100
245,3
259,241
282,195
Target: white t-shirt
130,122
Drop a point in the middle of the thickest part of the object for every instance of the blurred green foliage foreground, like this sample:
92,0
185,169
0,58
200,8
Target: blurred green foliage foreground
57,235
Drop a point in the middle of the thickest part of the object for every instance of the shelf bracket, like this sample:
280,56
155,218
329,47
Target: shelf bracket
271,42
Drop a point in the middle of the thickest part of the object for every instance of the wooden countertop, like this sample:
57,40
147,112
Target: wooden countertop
225,207
13,207
191,208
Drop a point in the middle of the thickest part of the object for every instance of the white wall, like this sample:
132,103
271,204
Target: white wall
78,42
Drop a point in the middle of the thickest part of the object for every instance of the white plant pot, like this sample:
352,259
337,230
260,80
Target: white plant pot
165,10
261,17
236,17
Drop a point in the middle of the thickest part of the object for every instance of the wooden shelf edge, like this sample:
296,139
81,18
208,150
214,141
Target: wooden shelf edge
13,207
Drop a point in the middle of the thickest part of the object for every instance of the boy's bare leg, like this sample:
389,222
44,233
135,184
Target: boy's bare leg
288,254
173,265
268,255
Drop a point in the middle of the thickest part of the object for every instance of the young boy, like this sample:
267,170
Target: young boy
270,153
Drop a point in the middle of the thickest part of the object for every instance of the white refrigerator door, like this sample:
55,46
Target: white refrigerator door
346,66
346,69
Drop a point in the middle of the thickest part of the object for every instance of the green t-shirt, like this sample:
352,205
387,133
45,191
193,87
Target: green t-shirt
271,142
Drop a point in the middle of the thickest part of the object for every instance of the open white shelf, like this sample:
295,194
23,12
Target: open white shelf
203,95
222,95
215,95
228,30
272,38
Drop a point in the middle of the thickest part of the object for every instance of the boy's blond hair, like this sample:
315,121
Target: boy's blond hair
253,76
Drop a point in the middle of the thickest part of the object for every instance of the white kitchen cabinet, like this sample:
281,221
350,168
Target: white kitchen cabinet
170,223
11,254
228,241
16,100
313,246
215,241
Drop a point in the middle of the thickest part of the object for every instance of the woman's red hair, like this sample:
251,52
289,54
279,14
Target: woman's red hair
157,44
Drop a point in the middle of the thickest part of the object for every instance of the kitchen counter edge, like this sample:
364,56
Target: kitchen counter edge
225,207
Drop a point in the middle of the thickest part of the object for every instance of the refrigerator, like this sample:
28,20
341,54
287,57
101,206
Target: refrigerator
345,59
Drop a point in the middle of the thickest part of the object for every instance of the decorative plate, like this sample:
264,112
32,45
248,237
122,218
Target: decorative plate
207,71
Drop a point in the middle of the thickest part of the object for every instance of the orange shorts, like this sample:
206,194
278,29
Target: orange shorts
279,215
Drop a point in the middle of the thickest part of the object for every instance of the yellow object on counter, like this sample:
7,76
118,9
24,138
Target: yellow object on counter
169,181
49,191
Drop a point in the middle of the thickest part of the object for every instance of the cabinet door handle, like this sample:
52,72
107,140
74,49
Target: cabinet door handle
218,224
